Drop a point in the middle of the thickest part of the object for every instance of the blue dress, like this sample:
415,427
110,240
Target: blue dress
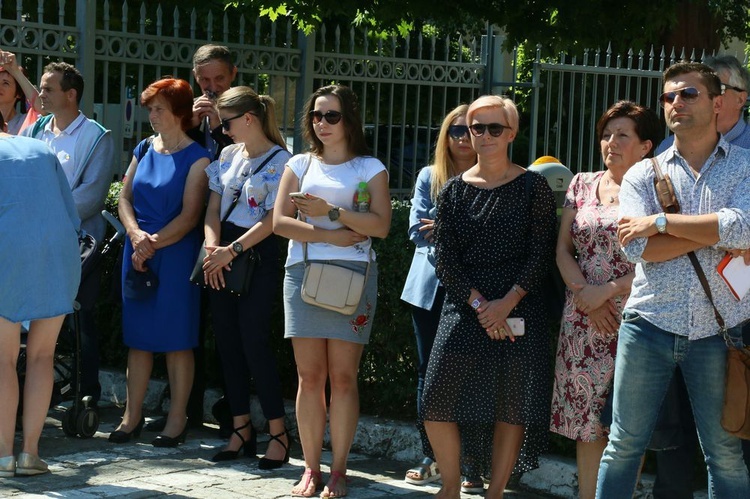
38,233
168,321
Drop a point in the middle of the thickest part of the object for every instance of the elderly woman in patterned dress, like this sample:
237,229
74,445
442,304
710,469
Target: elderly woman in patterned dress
598,276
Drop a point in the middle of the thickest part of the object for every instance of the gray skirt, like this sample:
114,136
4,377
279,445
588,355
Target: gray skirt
302,320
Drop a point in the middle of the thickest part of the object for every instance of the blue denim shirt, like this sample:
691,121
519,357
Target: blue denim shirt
669,294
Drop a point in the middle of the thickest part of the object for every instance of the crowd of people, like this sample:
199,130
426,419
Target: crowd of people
215,187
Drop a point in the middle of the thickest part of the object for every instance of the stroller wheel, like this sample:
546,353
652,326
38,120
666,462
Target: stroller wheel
68,422
87,422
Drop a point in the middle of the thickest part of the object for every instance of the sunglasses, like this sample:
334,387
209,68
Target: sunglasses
225,123
725,87
331,117
495,129
458,132
688,94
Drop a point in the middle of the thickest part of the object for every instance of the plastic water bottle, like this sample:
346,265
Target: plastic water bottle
362,198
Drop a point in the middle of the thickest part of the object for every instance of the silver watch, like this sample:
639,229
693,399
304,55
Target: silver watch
661,223
333,214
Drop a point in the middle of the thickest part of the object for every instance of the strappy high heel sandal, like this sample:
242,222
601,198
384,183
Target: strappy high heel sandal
248,447
272,464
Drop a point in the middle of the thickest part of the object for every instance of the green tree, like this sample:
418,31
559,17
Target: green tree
555,24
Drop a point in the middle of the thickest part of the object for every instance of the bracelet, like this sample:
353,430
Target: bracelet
515,288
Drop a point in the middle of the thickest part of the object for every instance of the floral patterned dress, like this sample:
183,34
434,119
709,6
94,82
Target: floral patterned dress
585,361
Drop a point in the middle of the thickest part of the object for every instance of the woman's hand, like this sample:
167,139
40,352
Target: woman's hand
588,297
428,226
605,320
312,206
344,237
216,261
143,243
492,316
139,262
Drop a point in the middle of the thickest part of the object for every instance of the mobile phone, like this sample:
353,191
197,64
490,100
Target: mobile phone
517,325
297,195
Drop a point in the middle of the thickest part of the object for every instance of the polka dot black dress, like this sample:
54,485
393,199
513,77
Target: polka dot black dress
490,239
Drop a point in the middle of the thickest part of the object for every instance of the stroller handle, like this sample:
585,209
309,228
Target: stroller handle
120,235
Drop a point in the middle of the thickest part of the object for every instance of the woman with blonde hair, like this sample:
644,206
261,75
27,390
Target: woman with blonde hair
422,290
489,368
248,172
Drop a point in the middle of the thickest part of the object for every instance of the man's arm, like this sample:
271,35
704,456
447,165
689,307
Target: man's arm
685,233
92,190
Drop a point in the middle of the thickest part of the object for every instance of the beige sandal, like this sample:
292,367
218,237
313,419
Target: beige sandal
425,472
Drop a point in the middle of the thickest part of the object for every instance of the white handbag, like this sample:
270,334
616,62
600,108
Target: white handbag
333,287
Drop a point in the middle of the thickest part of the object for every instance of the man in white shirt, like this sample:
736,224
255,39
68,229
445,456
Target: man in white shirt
85,150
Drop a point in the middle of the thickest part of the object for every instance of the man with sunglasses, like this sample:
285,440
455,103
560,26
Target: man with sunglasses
675,464
668,321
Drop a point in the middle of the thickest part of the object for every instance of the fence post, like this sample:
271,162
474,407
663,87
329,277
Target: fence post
86,21
534,108
304,84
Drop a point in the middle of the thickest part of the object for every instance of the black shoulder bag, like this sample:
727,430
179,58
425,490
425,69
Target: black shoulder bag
237,281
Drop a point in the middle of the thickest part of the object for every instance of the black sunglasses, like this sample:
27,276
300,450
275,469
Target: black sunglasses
225,123
458,132
688,94
726,86
331,117
495,129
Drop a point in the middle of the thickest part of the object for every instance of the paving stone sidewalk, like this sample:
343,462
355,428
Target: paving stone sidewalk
94,468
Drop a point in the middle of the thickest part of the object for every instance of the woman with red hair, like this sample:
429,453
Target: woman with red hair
160,206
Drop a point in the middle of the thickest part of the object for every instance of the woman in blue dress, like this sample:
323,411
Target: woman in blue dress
39,221
160,206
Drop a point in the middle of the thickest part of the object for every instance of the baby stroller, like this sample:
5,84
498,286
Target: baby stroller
80,419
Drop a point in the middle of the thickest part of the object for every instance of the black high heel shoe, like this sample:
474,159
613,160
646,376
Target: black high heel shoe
167,441
121,437
248,447
272,464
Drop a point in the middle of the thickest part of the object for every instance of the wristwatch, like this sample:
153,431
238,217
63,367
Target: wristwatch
237,247
476,303
333,214
661,223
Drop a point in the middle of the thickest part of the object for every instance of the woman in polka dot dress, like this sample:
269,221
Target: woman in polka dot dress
495,237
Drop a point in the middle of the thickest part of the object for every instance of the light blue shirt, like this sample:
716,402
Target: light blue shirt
669,294
739,135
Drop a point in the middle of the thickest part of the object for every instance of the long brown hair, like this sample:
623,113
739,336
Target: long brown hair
443,166
350,119
246,100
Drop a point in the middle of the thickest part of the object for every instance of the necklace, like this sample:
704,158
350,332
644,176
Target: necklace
175,148
607,181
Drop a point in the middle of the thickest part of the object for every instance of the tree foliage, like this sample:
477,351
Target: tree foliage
555,24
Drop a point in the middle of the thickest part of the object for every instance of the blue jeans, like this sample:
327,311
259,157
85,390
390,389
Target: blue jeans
646,360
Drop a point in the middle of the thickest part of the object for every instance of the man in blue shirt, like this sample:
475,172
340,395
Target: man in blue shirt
668,321
675,464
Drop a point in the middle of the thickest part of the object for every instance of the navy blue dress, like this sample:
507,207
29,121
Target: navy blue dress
168,321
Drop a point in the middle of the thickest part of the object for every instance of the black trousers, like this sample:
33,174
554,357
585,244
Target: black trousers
88,292
242,326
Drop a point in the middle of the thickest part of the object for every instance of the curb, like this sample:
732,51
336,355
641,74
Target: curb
397,440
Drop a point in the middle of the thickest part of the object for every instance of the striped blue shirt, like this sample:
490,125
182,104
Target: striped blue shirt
669,294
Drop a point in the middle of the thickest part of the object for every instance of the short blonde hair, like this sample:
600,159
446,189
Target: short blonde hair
506,105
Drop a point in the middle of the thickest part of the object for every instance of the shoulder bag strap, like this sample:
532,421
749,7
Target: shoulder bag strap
668,202
238,192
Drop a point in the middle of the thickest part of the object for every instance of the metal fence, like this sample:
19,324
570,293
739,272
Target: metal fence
405,84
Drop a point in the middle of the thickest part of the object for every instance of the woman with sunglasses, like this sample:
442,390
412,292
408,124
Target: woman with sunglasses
598,277
250,171
160,205
423,291
328,345
489,368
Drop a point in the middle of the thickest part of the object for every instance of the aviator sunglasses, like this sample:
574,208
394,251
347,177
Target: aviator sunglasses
495,129
688,94
331,117
458,132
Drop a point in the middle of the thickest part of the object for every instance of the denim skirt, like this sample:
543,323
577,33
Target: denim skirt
302,320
